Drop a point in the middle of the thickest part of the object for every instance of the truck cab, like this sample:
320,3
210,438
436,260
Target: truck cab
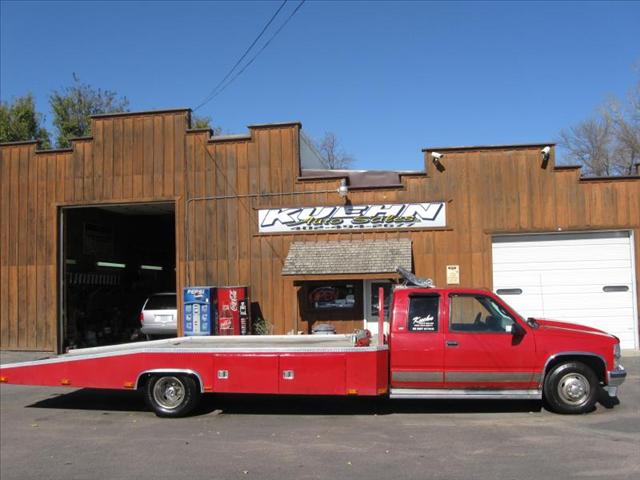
468,343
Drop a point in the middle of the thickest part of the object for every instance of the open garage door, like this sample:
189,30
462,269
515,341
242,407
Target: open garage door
586,278
112,258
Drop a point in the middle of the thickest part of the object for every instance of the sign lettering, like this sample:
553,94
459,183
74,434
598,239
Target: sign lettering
352,217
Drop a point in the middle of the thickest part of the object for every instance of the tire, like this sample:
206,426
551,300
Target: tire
571,388
172,395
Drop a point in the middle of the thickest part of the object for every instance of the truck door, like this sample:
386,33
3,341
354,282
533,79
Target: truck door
416,342
481,349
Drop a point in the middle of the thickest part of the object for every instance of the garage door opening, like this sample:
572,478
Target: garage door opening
112,258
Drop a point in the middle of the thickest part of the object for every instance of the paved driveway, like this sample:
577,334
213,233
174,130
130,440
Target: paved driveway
58,433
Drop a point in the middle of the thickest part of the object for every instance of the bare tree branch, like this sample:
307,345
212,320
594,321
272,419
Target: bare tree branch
609,143
333,156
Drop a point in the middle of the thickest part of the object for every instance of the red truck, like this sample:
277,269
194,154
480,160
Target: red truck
441,343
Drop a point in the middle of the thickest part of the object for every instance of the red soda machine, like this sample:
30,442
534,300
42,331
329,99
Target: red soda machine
233,311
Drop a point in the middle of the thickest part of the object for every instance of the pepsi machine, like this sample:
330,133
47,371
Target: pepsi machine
200,311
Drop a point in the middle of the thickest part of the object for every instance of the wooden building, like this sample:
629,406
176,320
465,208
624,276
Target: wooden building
238,209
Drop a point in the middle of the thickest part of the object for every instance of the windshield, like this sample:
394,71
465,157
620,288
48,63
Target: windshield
161,302
530,321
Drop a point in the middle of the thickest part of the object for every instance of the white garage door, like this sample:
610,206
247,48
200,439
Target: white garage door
583,278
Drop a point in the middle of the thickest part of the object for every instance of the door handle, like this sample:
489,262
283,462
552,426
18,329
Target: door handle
452,343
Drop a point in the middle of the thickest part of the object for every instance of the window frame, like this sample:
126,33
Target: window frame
475,296
437,318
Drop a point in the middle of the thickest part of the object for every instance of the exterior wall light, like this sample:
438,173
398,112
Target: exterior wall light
435,158
546,153
343,190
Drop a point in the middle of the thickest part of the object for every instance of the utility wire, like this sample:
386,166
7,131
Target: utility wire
246,52
231,80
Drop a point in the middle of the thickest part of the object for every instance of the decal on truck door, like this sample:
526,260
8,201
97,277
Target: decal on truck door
423,314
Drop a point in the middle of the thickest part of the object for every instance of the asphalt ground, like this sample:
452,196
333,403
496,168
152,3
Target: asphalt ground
58,433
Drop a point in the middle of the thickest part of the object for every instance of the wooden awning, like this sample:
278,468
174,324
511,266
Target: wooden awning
348,257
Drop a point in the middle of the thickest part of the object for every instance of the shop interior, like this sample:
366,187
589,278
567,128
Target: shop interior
112,258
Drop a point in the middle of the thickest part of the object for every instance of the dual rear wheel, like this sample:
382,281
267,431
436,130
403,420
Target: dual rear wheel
172,395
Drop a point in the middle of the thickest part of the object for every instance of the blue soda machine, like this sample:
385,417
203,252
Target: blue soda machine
200,311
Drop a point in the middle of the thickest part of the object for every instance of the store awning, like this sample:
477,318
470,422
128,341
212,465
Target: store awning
348,257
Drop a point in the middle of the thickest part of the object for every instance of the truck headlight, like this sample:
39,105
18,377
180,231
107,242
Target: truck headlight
617,354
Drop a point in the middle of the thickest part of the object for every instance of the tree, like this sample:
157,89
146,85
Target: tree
333,156
19,121
73,107
205,122
590,144
609,142
626,124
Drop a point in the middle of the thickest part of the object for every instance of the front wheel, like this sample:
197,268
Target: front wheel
571,388
172,395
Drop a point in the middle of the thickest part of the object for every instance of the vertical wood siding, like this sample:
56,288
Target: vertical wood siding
125,155
152,157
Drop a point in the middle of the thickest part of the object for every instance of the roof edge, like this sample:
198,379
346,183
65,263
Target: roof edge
610,178
230,138
55,150
490,147
20,142
142,112
276,124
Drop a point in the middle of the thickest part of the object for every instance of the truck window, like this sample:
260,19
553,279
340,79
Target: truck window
423,313
477,313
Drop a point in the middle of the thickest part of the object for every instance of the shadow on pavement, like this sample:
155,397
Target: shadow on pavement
95,399
131,401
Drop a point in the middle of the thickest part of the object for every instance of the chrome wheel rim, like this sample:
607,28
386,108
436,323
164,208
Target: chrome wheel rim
574,389
168,392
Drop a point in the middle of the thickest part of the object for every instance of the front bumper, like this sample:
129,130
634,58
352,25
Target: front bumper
615,378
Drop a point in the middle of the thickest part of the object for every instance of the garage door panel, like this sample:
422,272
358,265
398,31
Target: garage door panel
603,238
560,301
617,315
566,284
562,276
565,264
562,253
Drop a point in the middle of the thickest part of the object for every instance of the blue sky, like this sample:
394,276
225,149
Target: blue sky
389,78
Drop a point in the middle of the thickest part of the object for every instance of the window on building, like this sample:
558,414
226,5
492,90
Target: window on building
478,313
332,296
423,313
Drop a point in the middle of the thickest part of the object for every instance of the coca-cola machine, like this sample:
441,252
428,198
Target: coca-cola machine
233,311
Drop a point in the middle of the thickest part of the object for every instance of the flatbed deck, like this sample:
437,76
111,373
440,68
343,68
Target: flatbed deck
290,364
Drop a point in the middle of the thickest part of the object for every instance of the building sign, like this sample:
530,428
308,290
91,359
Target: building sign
352,217
453,274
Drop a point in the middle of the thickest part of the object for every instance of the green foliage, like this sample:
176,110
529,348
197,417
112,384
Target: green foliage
204,122
262,327
73,107
19,121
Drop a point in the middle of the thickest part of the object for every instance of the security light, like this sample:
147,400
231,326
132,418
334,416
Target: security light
343,190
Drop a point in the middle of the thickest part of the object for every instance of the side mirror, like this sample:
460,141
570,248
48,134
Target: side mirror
518,330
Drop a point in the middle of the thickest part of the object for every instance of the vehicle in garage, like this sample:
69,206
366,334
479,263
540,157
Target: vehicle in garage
442,343
159,315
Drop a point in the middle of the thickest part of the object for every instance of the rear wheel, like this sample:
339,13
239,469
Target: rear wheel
571,387
172,395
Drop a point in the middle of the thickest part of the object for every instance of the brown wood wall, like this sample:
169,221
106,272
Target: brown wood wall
130,158
152,157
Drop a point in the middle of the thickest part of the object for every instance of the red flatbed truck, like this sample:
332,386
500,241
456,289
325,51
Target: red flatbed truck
441,343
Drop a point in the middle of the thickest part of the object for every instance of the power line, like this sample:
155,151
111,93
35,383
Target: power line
264,29
224,87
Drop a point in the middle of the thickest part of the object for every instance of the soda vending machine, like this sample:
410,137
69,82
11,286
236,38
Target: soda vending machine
200,311
233,311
